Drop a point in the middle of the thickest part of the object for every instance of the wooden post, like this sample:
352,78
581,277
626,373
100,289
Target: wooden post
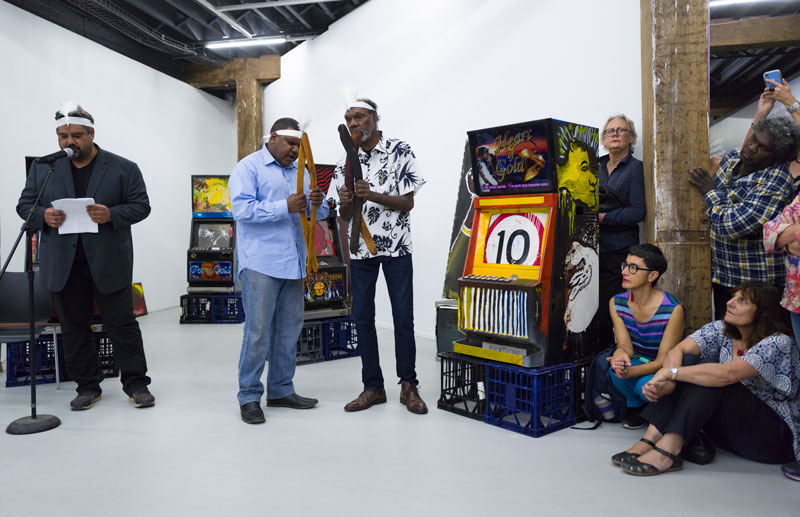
675,140
249,75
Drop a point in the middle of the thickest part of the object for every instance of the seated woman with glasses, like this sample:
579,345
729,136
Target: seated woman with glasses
621,179
648,323
735,379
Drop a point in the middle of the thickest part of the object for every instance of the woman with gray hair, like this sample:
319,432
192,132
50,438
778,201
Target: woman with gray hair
622,208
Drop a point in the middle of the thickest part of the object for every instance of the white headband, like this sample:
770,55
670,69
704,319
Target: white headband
289,132
74,120
360,104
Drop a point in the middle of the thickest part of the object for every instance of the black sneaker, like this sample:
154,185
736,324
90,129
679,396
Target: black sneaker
85,400
634,422
141,397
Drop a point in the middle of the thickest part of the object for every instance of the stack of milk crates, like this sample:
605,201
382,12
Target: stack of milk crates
523,268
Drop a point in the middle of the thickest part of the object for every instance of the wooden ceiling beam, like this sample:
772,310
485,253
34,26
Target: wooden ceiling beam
248,76
749,33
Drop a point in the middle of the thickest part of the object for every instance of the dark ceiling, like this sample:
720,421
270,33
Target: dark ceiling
736,76
168,34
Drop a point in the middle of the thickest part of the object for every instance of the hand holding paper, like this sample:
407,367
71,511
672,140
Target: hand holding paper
77,218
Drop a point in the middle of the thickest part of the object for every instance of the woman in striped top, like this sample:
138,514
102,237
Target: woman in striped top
648,322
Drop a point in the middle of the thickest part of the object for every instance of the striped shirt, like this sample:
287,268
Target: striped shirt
737,209
646,336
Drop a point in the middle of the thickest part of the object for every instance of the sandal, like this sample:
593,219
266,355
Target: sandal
624,456
638,468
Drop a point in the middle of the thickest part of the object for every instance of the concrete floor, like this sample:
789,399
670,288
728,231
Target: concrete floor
192,455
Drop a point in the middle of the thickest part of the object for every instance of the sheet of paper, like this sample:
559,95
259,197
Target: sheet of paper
77,220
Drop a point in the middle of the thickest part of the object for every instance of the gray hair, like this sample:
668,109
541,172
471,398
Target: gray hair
631,127
77,112
785,136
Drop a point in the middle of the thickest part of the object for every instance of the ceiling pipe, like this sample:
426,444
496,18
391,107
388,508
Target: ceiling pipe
224,17
274,3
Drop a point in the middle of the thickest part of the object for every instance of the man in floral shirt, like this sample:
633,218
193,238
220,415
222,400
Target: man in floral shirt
391,179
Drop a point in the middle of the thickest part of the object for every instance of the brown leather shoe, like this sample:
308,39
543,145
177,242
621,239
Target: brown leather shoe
409,395
366,400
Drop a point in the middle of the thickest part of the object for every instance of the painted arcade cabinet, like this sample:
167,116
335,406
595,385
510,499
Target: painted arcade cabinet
529,292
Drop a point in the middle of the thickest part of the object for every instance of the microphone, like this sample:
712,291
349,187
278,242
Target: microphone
50,158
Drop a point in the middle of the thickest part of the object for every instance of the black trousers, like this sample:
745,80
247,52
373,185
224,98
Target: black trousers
75,308
610,284
734,419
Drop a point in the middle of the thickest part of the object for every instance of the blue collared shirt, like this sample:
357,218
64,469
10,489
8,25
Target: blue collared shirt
269,240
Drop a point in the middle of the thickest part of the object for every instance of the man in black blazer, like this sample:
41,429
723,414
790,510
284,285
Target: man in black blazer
79,268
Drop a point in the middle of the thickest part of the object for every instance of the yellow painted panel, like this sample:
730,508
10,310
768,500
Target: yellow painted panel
485,353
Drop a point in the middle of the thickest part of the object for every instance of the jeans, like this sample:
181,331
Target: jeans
398,272
274,309
75,308
631,387
795,316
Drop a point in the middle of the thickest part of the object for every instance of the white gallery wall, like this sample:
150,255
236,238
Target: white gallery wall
438,68
729,132
169,128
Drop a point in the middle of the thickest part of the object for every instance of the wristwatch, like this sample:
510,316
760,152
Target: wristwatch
674,373
794,107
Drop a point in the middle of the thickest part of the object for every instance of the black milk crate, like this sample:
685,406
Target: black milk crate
309,344
227,308
196,308
339,338
531,401
581,372
18,361
105,354
463,385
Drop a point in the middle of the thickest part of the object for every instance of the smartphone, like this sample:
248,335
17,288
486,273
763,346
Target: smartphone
775,75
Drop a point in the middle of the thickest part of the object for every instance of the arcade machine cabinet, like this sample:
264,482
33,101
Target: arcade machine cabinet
211,258
529,293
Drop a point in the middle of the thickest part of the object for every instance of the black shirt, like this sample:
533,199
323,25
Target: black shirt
81,177
620,228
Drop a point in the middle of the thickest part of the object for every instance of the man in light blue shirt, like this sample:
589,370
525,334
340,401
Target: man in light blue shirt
272,264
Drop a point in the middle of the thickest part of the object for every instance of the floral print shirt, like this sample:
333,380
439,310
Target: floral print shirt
778,365
791,294
390,168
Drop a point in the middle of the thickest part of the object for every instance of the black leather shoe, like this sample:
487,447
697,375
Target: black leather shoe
293,401
252,414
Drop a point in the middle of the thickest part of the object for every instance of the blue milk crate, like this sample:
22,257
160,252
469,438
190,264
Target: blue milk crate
534,402
339,338
309,344
18,362
227,308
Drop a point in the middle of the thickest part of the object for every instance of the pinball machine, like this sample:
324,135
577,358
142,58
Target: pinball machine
529,290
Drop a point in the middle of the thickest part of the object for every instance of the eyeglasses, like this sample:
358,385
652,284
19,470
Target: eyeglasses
632,268
616,131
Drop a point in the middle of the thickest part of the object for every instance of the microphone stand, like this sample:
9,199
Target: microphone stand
34,423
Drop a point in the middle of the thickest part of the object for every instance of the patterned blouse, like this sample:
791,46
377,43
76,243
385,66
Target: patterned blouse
737,209
776,360
791,294
390,168
646,336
